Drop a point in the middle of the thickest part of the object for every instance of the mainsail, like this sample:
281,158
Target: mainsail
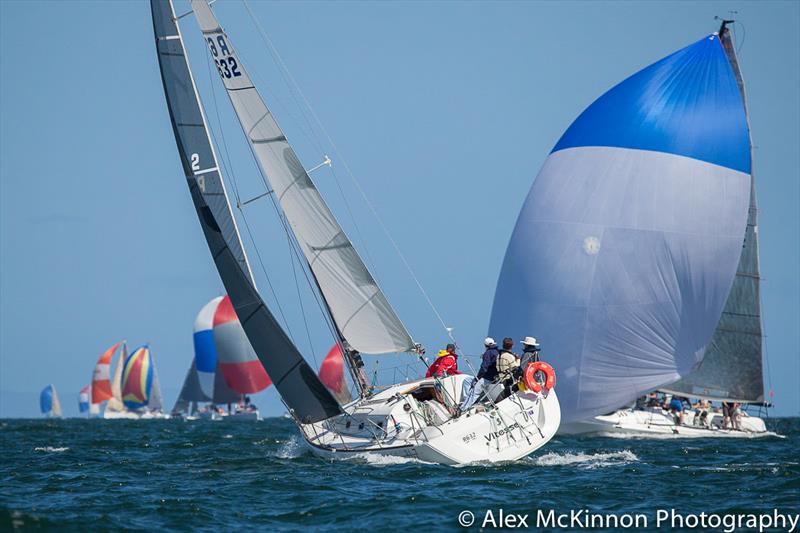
359,308
732,368
191,392
626,248
115,402
296,382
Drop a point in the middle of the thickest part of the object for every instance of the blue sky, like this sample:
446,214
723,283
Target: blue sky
444,111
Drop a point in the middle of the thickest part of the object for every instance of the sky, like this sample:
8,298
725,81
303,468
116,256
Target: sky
443,111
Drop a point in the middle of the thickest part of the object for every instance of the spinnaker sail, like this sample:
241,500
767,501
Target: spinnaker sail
626,248
137,379
331,372
83,399
358,306
101,378
296,382
48,402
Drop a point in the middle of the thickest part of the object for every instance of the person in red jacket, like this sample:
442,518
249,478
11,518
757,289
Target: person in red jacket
446,363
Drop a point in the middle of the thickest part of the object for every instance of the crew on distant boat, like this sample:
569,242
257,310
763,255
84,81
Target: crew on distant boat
676,406
446,363
730,415
472,388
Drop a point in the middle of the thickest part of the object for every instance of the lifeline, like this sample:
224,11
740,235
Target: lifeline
669,518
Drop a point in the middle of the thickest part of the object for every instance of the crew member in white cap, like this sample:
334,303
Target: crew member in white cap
488,372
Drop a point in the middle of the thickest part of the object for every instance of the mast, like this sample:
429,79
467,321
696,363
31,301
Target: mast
298,385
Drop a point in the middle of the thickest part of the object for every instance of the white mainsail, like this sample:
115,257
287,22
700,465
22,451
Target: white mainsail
359,308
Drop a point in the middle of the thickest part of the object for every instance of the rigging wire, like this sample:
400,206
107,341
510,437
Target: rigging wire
279,60
294,92
227,164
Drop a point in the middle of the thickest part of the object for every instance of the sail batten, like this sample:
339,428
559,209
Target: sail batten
299,386
357,305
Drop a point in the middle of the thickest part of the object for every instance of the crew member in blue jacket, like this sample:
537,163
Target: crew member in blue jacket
487,373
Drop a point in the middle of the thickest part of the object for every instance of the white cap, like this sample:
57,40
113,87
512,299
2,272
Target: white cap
530,341
488,341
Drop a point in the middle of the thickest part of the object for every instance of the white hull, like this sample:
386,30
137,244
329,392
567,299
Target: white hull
395,422
132,415
656,422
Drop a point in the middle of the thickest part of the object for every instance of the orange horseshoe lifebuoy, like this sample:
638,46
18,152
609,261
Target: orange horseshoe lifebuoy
530,376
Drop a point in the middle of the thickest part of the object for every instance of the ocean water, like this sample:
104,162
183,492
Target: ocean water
78,475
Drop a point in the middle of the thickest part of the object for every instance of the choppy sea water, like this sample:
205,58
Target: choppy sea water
77,475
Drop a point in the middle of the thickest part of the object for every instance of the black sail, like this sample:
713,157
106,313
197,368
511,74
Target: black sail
190,392
732,368
298,385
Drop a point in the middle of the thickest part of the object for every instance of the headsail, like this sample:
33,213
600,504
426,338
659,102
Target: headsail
46,400
626,248
361,311
296,382
115,402
101,378
732,368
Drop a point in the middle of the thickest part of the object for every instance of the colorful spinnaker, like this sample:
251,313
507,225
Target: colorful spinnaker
331,373
237,361
83,399
137,378
626,248
101,379
48,402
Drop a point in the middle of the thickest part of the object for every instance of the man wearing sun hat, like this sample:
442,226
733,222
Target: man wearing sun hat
530,351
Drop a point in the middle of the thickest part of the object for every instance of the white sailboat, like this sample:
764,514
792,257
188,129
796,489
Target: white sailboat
644,223
409,419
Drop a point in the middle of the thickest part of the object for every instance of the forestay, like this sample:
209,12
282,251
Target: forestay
358,306
296,382
626,248
732,368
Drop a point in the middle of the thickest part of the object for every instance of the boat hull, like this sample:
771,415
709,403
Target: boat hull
506,431
660,423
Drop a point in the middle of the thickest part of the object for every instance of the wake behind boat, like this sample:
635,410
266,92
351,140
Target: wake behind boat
414,418
636,253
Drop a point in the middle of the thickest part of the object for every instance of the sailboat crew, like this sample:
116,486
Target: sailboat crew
446,363
472,388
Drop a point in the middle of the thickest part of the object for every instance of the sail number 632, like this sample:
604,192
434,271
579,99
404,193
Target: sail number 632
226,63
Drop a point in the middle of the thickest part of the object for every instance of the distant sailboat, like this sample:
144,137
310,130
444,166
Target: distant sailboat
418,418
104,388
83,399
224,368
140,389
331,373
624,256
48,402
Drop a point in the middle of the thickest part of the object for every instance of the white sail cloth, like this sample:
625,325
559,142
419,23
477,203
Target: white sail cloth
358,306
